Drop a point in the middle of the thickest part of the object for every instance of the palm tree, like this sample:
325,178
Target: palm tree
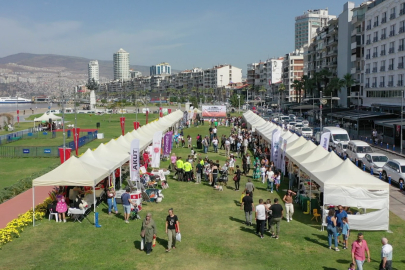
298,88
335,85
348,82
307,85
281,89
262,90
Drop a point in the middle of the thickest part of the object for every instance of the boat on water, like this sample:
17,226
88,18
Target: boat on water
14,100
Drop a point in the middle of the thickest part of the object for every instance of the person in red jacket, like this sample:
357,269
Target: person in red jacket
146,159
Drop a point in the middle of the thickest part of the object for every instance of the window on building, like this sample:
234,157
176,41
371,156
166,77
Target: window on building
374,82
400,62
400,80
392,13
375,21
374,67
368,24
382,81
401,45
384,33
375,51
382,49
391,64
368,54
402,9
375,36
391,80
367,82
384,17
392,48
382,67
392,30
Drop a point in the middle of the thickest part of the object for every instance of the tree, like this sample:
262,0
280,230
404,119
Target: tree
297,84
348,82
307,85
335,85
262,90
281,89
235,101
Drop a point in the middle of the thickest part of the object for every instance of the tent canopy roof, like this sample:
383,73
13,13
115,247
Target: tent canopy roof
72,172
46,117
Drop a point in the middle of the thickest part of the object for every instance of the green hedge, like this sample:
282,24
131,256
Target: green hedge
21,185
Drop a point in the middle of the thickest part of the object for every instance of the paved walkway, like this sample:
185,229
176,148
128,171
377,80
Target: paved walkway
21,204
397,202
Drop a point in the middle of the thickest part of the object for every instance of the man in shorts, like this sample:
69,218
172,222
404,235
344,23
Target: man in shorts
126,202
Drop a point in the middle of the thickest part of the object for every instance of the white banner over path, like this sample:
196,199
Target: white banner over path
156,149
134,161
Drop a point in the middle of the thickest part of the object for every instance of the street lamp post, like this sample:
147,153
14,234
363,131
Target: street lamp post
239,103
320,111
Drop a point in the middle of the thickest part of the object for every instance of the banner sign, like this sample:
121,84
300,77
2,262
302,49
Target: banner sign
136,125
160,112
214,111
122,121
156,148
147,114
280,153
167,143
26,151
169,111
47,151
76,135
18,115
134,160
185,115
283,156
325,140
275,147
64,155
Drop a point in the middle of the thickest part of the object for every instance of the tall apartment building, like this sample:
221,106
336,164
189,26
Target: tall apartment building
306,25
221,75
357,55
121,65
162,68
93,71
293,69
385,53
135,73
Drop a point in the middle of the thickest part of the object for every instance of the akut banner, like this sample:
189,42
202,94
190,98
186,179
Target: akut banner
214,111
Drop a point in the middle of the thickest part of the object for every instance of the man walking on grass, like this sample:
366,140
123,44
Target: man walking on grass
359,248
171,223
126,203
247,204
249,187
386,255
277,213
260,216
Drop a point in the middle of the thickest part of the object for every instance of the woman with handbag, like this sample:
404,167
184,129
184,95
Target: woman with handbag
236,178
148,232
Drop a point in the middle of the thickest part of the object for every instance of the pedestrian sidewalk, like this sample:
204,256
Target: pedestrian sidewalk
21,204
397,202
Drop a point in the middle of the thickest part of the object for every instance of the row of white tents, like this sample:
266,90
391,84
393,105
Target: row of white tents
342,182
94,166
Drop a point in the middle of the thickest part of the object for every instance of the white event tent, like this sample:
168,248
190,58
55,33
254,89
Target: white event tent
342,182
46,117
94,166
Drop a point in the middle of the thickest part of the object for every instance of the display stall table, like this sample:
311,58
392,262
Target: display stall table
77,214
303,199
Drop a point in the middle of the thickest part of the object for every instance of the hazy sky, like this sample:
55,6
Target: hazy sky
184,33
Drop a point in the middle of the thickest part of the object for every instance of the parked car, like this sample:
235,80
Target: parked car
336,135
305,132
298,126
299,119
375,161
341,148
284,118
305,123
290,125
357,149
394,168
292,116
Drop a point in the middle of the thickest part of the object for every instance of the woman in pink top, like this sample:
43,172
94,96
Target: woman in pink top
173,159
358,251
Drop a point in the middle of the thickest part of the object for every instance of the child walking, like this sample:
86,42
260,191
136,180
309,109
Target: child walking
345,232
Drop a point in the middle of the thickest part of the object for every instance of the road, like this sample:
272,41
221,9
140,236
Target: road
397,197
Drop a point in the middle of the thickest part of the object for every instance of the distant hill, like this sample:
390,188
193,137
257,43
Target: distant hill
71,63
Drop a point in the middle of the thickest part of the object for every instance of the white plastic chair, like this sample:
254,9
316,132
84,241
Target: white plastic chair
51,214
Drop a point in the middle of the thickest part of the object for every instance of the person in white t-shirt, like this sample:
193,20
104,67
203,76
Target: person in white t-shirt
263,173
227,147
260,215
231,164
215,144
270,179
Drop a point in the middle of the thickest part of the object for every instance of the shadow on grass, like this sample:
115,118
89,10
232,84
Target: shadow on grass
162,242
343,261
237,203
137,244
315,241
236,219
321,236
329,268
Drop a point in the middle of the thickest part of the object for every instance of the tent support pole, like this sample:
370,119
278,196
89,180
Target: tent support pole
95,202
310,195
33,206
120,176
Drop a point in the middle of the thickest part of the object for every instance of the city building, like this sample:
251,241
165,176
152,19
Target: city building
293,69
384,53
162,68
121,65
94,71
307,24
135,73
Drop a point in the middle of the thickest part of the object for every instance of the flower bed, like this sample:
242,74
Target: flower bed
16,226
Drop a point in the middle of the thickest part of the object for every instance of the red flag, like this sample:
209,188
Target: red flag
160,112
66,156
18,116
76,135
122,121
136,125
147,113
169,111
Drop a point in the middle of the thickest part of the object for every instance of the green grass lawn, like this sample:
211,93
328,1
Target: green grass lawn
213,236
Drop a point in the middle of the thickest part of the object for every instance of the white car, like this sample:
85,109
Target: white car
297,127
394,168
291,125
306,132
305,123
292,116
375,161
341,148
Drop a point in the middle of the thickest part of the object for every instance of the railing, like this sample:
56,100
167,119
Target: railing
42,151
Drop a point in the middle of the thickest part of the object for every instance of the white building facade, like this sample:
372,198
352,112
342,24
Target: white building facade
162,68
384,51
306,25
121,65
94,71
